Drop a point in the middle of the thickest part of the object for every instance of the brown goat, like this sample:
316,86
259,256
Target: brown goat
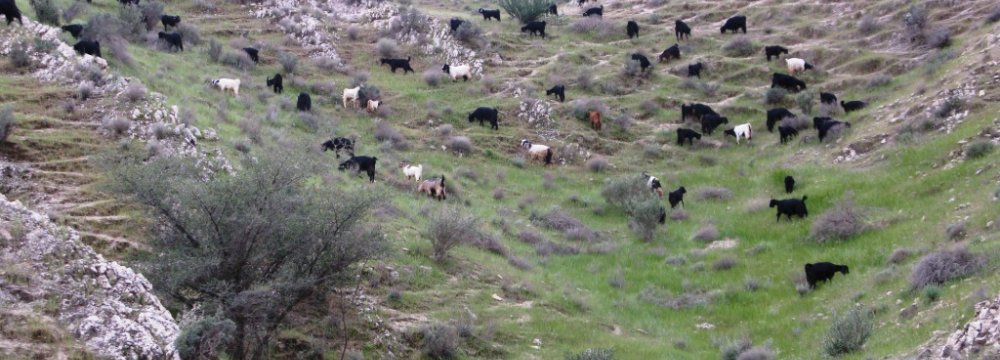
434,188
595,119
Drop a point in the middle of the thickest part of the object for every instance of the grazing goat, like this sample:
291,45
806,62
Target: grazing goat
490,14
169,21
397,64
595,119
789,184
687,134
351,95
654,184
581,2
88,47
796,65
412,172
643,61
827,98
174,40
695,69
559,91
681,29
553,10
662,219
790,207
774,51
599,11
711,121
735,23
458,71
817,121
824,128
340,143
304,103
484,114
823,272
228,84
253,53
359,164
454,23
73,29
775,116
534,28
676,197
854,105
538,152
787,133
673,52
632,29
372,106
128,2
276,83
696,111
787,82
741,131
10,11
434,188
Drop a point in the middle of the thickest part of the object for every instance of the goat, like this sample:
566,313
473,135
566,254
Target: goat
741,131
304,102
790,207
676,197
434,188
788,82
559,91
695,69
711,121
789,184
228,84
818,121
276,83
412,172
775,116
681,29
73,29
854,105
696,111
10,11
350,94
359,164
174,40
88,47
486,114
795,64
169,21
735,23
553,10
538,152
787,133
643,61
128,2
653,184
824,128
671,52
458,71
823,272
775,51
632,29
397,63
827,98
534,28
372,106
687,134
595,119
454,23
490,14
252,53
340,143
599,11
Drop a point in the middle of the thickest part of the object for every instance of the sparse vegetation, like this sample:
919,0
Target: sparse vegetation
449,227
942,266
46,11
6,123
387,48
775,96
18,54
978,149
593,354
842,222
849,332
440,341
740,46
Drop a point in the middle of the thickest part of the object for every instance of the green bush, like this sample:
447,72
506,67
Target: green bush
205,339
849,332
19,56
440,341
449,227
525,10
978,149
593,354
46,11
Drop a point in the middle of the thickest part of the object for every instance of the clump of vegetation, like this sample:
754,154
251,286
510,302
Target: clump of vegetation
70,13
46,11
385,132
214,50
725,263
288,61
707,233
206,338
387,48
433,78
775,96
868,25
879,80
978,149
931,293
842,222
6,123
595,26
409,22
440,341
942,266
460,144
760,352
135,91
19,56
899,255
849,332
597,164
955,231
644,216
593,354
470,34
939,38
525,11
994,16
714,193
450,227
740,46
239,60
732,349
805,101
949,106
116,125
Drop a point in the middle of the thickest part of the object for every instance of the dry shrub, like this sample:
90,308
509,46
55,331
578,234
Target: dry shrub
757,353
849,332
595,26
70,13
978,149
687,300
450,226
116,125
19,56
460,144
387,48
7,121
678,215
867,25
740,46
583,106
433,78
938,38
46,11
239,60
135,92
945,265
775,96
707,233
470,34
593,354
714,193
214,50
353,32
597,164
440,341
955,231
491,243
288,61
410,22
841,222
725,263
899,255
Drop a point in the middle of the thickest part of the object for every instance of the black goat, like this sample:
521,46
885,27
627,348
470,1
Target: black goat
817,121
169,21
673,52
854,105
490,14
128,2
774,51
695,69
632,29
711,121
823,272
88,47
253,53
676,197
643,61
276,83
482,114
174,40
775,116
599,11
687,134
10,11
304,103
787,133
824,128
359,164
553,10
681,29
559,91
73,29
790,207
534,28
696,111
827,98
337,144
397,64
788,82
789,184
735,23
454,23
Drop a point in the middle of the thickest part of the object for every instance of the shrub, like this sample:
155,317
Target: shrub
879,80
733,349
310,121
449,227
385,132
945,265
714,193
932,293
775,96
757,353
151,11
597,164
214,50
582,106
949,106
525,11
867,25
899,255
189,33
805,102
44,46
116,125
19,56
841,222
915,19
678,215
409,22
939,38
206,338
135,91
433,78
955,231
46,11
470,34
631,68
740,46
644,216
707,233
353,32
132,24
849,332
595,26
440,341
709,89
460,144
978,149
6,123
994,16
624,190
593,354
387,48
725,263
240,60
70,13
288,61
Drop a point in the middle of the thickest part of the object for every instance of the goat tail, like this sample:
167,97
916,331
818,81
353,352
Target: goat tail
408,58
442,180
804,198
548,156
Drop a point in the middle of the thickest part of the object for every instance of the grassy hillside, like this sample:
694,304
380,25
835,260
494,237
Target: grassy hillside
903,167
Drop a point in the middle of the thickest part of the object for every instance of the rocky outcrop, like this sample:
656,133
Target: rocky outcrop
105,305
981,335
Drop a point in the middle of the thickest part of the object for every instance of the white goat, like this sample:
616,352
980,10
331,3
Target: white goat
351,95
796,64
458,71
538,152
741,131
412,171
228,84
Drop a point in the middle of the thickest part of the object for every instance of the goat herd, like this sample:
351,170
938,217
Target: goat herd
709,119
